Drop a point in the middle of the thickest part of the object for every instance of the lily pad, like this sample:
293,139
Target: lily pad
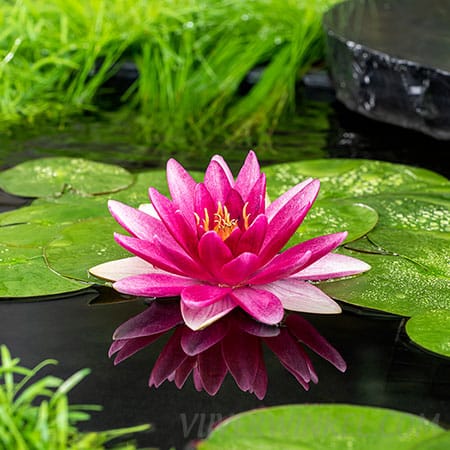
431,330
440,442
84,245
321,427
52,176
26,274
353,178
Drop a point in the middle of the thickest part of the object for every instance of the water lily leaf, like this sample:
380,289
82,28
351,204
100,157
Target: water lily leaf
331,216
353,178
440,442
431,330
320,427
52,176
25,274
83,245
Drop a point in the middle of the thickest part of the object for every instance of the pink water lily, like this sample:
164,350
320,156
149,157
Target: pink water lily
233,344
218,245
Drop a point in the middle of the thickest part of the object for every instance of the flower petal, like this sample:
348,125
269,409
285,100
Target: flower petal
154,285
132,346
201,295
259,387
253,238
149,209
257,198
307,334
170,358
260,304
212,369
284,224
182,188
156,319
274,207
123,268
297,295
195,342
332,265
239,269
174,221
241,354
250,326
213,252
219,159
248,175
203,201
283,265
217,182
183,370
139,223
199,318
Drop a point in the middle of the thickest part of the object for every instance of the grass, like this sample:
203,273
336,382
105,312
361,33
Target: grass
37,415
192,57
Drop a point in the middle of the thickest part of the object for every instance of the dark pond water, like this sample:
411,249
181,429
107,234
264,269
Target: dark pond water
384,368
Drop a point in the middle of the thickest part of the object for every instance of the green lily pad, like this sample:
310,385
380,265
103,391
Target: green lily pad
26,274
353,178
52,176
320,427
440,442
331,216
83,245
431,330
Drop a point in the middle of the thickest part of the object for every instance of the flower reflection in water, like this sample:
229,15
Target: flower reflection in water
232,344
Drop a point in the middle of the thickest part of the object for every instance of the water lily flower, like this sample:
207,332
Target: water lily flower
233,344
219,246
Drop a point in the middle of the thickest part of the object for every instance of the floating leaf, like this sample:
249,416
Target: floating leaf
52,176
25,274
440,442
320,427
84,245
431,330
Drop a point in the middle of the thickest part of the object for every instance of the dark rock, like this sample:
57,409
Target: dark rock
390,61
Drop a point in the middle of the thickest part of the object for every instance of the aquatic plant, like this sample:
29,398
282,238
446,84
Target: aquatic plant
36,415
193,58
217,245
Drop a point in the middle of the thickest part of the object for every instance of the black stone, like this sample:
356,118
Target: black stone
390,61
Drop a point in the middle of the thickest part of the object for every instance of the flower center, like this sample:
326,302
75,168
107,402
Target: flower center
222,222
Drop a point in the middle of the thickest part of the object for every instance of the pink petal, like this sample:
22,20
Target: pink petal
332,265
123,268
166,258
156,319
174,221
212,369
250,326
116,346
183,370
150,210
199,318
248,175
290,354
213,252
274,207
284,224
241,354
259,387
239,268
195,342
260,304
181,187
297,295
198,384
257,198
234,204
217,182
170,358
199,296
307,334
203,201
232,241
132,346
153,285
219,159
253,238
283,265
139,223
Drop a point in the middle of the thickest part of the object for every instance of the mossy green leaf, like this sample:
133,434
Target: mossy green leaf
320,427
431,330
52,176
83,245
25,274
